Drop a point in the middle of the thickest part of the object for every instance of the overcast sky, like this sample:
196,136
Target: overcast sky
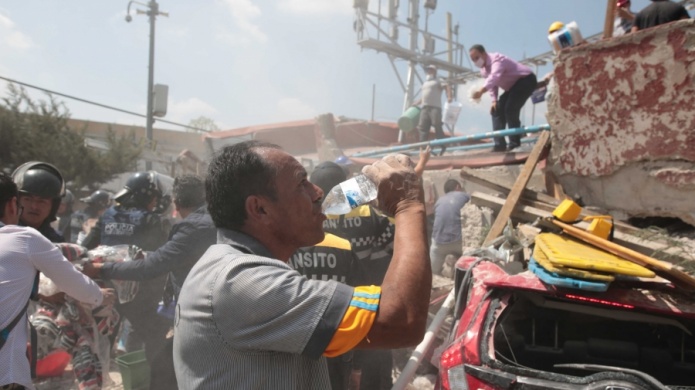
246,62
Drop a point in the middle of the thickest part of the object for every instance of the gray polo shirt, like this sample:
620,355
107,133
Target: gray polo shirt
247,321
432,93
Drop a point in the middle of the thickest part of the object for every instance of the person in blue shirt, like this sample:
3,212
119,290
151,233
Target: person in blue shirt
446,233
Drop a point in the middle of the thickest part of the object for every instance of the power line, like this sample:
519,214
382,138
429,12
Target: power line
99,104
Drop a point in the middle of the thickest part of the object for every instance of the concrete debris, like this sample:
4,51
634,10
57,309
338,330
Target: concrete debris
622,118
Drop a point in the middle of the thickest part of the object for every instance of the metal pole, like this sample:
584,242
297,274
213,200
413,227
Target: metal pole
152,13
373,99
453,140
426,344
414,16
450,56
533,105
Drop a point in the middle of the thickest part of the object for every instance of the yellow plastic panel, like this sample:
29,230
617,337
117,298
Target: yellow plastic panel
567,252
543,261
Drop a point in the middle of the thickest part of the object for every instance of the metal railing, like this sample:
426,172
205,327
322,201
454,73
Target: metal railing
453,140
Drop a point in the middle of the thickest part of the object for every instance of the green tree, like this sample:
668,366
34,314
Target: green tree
203,124
33,130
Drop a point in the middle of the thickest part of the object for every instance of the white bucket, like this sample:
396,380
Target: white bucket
565,37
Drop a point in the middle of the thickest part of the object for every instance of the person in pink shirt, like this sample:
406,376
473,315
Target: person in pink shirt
517,81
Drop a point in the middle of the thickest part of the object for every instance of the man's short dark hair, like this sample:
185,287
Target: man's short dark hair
189,191
451,185
235,173
478,48
8,190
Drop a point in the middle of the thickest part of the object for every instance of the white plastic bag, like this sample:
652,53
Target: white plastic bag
125,289
451,113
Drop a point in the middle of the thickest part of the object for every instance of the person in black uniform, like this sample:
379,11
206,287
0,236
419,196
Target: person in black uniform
188,241
657,13
371,236
97,203
64,215
41,188
132,221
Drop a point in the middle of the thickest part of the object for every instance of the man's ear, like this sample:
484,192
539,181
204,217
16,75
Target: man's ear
256,208
10,216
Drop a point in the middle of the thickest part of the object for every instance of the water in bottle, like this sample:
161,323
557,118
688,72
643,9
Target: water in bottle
349,194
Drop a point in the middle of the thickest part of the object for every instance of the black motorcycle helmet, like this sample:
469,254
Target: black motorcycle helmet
139,190
99,199
41,179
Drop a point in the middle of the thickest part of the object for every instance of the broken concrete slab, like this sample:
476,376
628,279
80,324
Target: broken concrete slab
623,119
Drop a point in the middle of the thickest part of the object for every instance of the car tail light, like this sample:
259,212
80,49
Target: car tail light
453,375
598,301
451,362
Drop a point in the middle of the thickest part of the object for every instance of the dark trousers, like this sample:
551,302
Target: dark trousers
162,375
339,369
430,116
508,111
377,369
146,325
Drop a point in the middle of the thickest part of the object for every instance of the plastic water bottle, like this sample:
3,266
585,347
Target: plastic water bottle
349,194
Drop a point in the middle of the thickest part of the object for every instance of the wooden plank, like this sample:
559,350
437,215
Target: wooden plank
476,177
531,214
533,198
610,19
517,189
553,186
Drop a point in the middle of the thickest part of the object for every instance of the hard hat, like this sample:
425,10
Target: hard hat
41,179
431,67
69,198
621,3
99,199
139,190
555,26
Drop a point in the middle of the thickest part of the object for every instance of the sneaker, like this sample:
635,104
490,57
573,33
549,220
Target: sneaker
510,147
499,148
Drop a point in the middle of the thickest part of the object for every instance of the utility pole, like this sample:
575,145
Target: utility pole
414,17
152,12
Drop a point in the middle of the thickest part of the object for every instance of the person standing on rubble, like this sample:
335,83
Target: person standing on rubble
247,320
624,18
188,241
446,234
659,12
431,112
518,82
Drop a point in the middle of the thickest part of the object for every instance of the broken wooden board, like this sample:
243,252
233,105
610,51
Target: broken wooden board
531,214
518,188
533,198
